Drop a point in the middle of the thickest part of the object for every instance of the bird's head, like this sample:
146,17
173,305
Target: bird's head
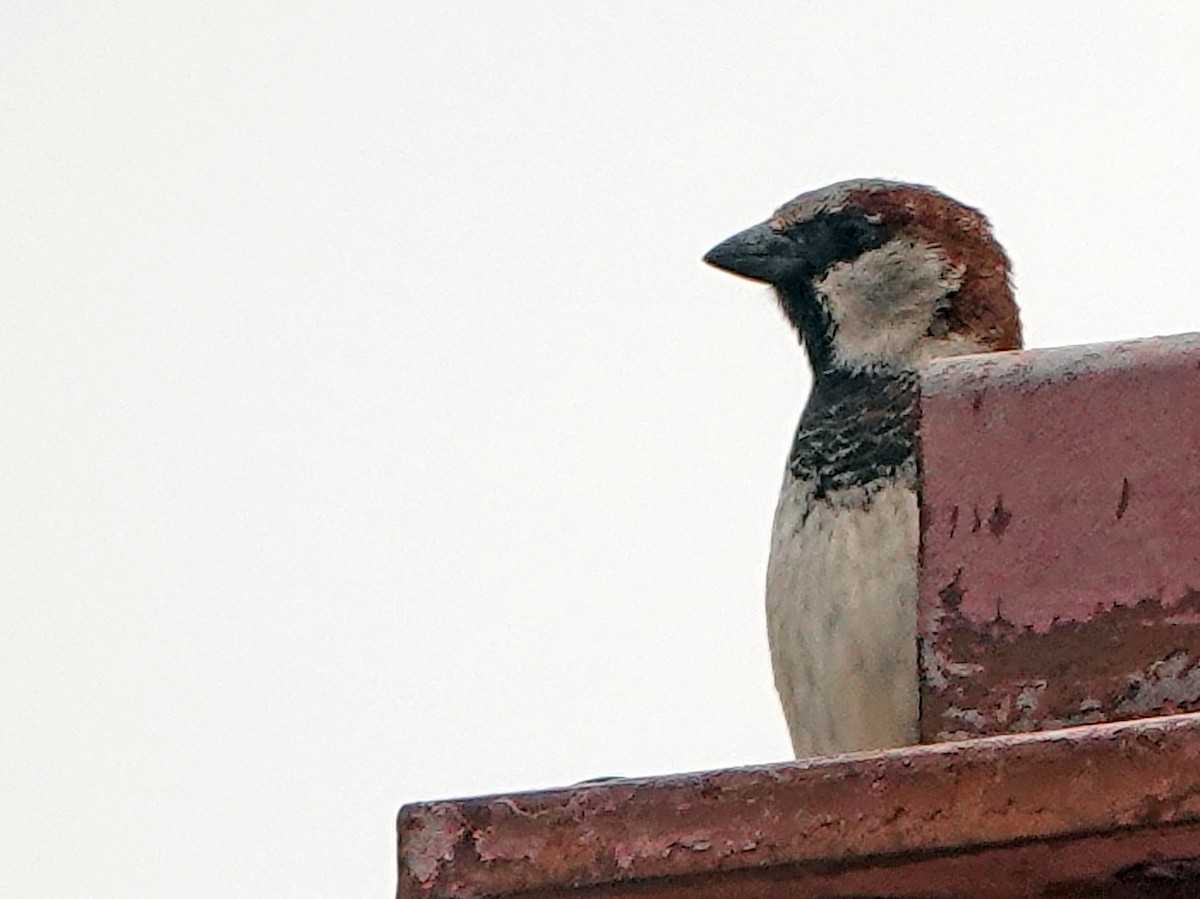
878,275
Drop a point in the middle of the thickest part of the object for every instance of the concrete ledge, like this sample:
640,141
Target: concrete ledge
1110,810
1060,573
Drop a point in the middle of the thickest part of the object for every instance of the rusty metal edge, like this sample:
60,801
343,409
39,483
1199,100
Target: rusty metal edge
844,809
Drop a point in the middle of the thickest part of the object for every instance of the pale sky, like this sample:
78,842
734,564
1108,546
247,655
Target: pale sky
373,432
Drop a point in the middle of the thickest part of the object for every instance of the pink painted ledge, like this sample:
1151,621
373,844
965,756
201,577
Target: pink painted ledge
1060,520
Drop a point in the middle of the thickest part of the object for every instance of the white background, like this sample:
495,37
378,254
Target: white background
371,429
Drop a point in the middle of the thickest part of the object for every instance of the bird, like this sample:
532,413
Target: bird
877,278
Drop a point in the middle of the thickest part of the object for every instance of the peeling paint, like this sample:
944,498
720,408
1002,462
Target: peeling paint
495,844
1168,685
1028,696
1059,537
432,836
986,818
1098,667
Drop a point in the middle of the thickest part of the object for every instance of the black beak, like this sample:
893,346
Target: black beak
759,253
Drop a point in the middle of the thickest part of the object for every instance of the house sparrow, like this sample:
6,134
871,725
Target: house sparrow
877,277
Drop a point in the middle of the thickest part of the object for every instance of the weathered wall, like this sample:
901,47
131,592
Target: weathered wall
1060,579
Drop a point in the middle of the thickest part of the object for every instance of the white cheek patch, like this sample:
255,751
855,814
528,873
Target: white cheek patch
883,302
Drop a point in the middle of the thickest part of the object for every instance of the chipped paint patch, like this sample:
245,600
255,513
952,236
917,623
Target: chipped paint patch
1003,678
431,835
1172,684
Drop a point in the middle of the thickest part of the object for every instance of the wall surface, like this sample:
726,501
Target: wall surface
1060,576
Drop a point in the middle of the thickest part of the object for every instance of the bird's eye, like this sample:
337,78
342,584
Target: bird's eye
852,231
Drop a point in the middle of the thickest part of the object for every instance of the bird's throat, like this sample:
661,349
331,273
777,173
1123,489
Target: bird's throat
857,428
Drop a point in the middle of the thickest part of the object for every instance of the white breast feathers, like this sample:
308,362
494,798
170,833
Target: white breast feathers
841,615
